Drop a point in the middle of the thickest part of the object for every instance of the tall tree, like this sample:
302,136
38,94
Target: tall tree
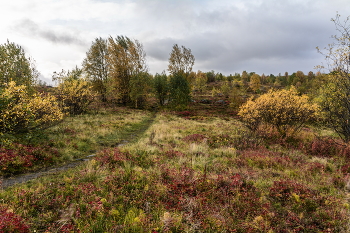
336,93
179,91
161,87
95,66
126,58
181,60
15,66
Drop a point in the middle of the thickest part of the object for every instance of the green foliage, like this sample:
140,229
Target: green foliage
334,98
15,66
284,109
140,85
62,76
161,87
335,95
181,60
210,76
95,66
179,91
236,97
22,111
126,60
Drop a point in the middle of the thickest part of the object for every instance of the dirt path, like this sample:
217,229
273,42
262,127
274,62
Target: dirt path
10,181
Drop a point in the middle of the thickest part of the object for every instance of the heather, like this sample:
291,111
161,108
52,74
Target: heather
190,175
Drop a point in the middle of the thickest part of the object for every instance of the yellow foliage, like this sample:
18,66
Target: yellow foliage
21,111
255,82
75,95
283,109
200,81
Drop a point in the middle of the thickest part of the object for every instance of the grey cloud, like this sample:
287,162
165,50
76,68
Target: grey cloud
267,35
30,28
159,49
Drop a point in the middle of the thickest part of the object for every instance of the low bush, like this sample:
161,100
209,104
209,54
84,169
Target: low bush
75,95
11,222
21,111
18,158
284,109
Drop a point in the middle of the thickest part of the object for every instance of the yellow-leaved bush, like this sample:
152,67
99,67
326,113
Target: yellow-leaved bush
283,109
21,111
75,95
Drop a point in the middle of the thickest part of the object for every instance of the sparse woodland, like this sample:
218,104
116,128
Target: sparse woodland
179,152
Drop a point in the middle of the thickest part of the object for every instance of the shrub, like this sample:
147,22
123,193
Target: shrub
10,222
326,147
75,95
21,111
195,138
303,209
17,158
284,109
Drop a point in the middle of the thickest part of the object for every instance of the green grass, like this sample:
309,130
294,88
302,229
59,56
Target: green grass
85,134
76,137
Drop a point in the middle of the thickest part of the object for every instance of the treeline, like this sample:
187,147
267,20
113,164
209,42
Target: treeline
117,71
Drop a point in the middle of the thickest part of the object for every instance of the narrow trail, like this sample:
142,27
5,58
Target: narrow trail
22,178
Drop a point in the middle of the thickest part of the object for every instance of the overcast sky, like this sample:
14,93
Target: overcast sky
227,36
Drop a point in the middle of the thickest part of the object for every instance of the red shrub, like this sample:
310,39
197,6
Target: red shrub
184,114
345,169
263,158
195,138
282,191
173,154
112,157
327,147
10,222
302,209
18,158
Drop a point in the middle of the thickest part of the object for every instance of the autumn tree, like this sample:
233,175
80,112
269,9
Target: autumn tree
200,81
23,111
181,60
255,82
335,95
15,66
284,109
95,66
126,58
75,93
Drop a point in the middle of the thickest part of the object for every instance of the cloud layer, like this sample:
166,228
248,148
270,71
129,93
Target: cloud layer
228,36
